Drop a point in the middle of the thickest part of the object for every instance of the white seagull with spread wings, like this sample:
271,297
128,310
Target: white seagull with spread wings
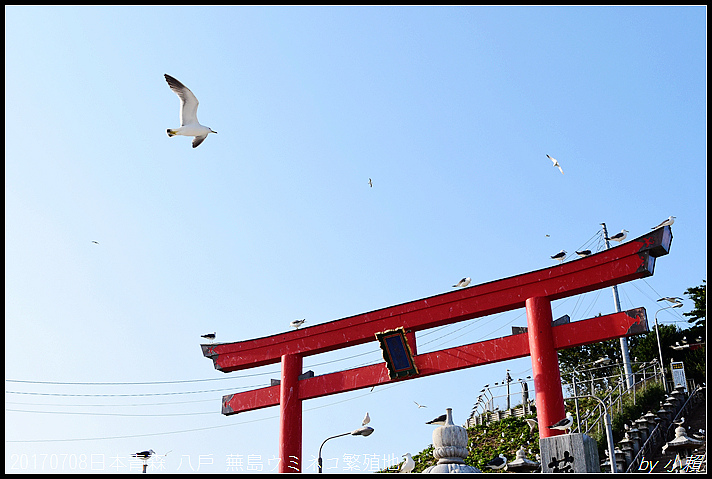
189,125
556,164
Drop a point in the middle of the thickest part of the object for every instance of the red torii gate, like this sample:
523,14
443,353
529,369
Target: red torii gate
534,290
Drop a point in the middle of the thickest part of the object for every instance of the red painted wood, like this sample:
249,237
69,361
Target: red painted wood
290,412
577,333
631,260
545,366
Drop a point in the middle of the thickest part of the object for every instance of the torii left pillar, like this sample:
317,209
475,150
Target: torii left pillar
290,411
545,365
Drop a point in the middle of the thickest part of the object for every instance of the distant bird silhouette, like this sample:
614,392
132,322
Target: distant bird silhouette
296,323
556,164
370,183
462,283
584,253
209,337
619,236
438,421
419,405
498,462
667,222
95,242
560,256
409,463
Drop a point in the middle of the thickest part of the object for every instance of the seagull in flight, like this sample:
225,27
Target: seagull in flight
189,125
419,405
438,421
667,222
671,299
296,323
564,424
209,336
532,423
498,462
370,183
409,463
462,283
366,420
619,236
556,164
95,242
560,256
144,455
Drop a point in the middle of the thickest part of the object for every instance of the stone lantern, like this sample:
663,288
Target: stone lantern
450,448
521,463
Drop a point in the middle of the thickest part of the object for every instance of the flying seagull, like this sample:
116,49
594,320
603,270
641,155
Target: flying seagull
584,253
189,125
667,222
210,336
370,183
498,462
409,463
366,420
619,236
532,423
556,164
564,424
438,421
296,323
144,455
419,405
671,299
95,242
560,256
462,283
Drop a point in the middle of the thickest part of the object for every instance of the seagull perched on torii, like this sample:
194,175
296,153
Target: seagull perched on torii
296,323
560,256
619,236
667,222
462,283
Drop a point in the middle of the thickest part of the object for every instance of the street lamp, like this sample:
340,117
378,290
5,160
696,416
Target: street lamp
675,304
362,431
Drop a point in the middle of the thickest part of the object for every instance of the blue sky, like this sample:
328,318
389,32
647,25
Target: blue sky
450,111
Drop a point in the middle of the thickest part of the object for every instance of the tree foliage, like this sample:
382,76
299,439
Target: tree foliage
698,315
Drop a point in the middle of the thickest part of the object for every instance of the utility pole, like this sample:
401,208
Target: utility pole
624,342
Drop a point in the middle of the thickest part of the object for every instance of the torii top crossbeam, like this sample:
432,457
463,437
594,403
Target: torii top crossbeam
535,290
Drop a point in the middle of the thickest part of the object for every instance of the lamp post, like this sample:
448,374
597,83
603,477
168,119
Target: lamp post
362,431
675,304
